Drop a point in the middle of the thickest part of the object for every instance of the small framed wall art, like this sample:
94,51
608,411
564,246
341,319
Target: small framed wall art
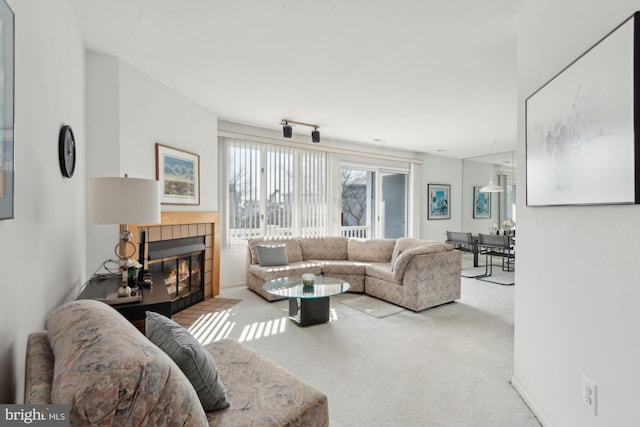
481,203
439,196
179,174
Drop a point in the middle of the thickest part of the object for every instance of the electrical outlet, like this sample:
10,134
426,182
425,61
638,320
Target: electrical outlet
590,395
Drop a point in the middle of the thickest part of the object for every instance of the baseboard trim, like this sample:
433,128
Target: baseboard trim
231,285
530,403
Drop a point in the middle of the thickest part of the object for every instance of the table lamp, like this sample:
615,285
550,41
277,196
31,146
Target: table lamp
124,201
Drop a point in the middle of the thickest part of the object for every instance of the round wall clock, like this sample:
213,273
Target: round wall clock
67,151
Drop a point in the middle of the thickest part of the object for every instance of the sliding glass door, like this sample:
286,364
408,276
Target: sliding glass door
358,197
374,203
393,205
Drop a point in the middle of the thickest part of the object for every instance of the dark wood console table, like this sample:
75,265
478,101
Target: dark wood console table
156,298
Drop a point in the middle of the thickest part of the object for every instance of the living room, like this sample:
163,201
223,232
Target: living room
570,320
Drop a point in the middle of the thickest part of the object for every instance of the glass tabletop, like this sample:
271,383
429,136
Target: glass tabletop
292,287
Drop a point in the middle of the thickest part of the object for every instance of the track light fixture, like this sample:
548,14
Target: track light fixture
287,131
315,135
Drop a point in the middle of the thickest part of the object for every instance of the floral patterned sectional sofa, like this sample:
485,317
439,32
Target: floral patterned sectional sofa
412,273
92,359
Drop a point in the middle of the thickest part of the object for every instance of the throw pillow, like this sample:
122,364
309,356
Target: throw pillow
393,264
272,255
194,360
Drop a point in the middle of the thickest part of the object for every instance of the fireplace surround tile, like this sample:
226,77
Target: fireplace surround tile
154,234
176,225
167,232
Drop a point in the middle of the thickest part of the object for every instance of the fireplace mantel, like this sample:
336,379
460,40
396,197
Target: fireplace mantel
188,224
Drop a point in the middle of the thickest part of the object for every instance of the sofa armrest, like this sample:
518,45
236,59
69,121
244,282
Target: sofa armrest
432,279
403,260
38,369
262,392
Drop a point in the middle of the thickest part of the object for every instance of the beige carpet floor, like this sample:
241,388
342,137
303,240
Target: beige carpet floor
371,306
445,366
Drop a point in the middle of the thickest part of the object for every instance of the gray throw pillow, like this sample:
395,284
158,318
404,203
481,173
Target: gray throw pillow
272,255
192,358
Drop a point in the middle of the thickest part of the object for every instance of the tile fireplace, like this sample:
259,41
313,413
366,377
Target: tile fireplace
185,248
181,263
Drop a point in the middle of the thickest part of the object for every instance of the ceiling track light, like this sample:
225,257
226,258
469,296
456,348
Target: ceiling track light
287,130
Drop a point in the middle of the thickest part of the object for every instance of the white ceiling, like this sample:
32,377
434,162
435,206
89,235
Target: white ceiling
422,75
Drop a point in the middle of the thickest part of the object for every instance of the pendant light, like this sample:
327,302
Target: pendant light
491,187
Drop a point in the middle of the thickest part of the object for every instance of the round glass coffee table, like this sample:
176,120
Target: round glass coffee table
308,304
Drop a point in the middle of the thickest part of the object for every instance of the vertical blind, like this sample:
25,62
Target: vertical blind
274,190
313,185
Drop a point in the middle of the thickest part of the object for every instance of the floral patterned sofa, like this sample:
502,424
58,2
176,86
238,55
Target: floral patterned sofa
412,273
94,360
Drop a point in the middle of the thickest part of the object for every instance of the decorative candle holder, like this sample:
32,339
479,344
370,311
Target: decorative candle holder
132,276
308,279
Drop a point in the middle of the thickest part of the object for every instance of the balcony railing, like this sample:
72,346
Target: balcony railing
238,235
360,231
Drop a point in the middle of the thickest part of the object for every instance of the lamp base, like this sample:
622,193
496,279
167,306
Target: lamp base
124,291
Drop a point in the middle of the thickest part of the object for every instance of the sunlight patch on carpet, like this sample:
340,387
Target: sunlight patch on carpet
210,320
372,306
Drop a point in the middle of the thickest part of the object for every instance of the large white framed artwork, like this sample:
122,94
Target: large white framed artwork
581,140
7,169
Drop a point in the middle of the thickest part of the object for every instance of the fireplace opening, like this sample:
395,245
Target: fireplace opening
181,262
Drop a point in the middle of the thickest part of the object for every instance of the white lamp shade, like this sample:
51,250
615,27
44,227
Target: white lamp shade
123,201
491,188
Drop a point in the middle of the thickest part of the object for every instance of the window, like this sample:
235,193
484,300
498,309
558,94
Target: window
374,202
274,190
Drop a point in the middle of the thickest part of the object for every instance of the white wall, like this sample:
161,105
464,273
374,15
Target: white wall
439,170
476,174
128,113
42,250
576,295
103,151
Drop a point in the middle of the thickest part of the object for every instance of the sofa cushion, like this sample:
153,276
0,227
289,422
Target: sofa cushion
272,255
196,363
262,393
331,248
110,374
383,271
294,253
341,266
370,250
276,272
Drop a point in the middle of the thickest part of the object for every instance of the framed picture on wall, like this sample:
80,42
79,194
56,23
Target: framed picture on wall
439,196
582,127
481,203
179,174
6,111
